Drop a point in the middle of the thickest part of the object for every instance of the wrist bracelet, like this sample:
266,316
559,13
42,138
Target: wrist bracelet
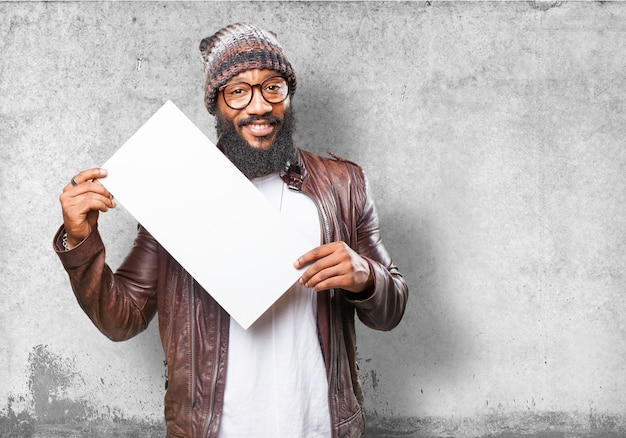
64,242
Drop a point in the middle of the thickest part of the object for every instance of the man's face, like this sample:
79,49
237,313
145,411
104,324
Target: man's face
260,121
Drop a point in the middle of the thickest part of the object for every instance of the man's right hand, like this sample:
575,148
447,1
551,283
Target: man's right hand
82,203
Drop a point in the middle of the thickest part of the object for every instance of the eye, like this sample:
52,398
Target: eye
275,86
236,90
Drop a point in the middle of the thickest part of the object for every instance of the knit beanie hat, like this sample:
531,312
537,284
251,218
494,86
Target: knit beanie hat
237,48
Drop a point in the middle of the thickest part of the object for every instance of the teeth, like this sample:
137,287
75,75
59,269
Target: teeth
259,127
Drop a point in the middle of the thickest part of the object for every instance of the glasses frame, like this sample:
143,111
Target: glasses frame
252,87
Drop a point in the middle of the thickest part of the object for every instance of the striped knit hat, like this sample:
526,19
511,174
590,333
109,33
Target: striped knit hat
237,48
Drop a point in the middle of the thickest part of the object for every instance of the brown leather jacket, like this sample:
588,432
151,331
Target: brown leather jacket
194,328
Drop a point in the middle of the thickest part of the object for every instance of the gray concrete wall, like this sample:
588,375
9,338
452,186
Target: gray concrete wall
493,136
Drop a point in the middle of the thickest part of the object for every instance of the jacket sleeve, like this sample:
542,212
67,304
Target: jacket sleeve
384,307
120,304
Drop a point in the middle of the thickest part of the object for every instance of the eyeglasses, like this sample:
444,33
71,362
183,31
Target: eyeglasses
239,94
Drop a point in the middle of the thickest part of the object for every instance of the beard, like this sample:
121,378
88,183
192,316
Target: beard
254,162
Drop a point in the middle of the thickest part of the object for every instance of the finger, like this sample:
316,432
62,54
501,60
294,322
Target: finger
93,186
329,266
102,203
315,254
87,175
90,174
335,282
85,188
313,278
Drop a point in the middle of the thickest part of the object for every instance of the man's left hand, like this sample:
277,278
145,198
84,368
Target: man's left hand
335,265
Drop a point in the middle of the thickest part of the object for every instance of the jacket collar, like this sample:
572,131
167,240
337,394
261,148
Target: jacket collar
293,174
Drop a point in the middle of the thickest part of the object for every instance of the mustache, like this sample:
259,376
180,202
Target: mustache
273,120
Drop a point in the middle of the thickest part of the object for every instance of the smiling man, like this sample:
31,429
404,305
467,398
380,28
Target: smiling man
293,373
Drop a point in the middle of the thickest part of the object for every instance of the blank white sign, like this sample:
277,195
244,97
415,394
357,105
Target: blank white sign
206,214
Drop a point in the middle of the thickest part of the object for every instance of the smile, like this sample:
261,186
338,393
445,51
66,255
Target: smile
259,129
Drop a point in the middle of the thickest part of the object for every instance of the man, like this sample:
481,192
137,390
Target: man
293,372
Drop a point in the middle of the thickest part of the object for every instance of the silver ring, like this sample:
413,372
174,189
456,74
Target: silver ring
73,182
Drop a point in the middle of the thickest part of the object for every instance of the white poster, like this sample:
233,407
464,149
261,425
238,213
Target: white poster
206,214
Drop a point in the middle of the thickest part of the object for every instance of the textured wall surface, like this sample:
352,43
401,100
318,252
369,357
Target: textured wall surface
493,137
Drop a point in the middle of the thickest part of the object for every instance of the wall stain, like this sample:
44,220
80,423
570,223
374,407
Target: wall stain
53,408
15,425
139,62
505,425
51,377
544,5
374,379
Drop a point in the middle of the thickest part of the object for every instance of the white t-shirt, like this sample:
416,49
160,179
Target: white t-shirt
276,383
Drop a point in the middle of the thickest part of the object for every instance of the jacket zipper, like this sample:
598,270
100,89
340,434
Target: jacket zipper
215,373
333,341
334,357
169,327
194,373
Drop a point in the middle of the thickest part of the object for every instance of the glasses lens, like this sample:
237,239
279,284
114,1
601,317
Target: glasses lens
274,89
238,95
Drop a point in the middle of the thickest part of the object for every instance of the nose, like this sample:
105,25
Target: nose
258,104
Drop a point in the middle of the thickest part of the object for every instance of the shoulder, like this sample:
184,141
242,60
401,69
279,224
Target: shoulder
334,165
338,179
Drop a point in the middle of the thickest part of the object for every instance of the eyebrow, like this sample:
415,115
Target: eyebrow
258,83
